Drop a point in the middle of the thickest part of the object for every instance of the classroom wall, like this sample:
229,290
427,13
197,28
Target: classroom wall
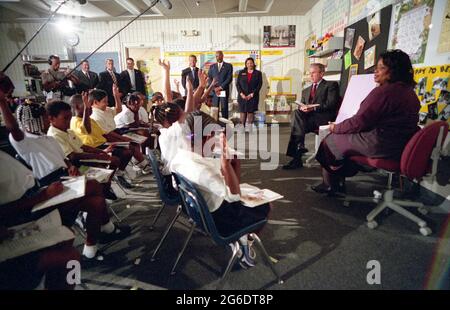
236,33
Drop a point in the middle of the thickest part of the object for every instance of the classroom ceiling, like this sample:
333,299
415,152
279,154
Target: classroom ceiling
36,10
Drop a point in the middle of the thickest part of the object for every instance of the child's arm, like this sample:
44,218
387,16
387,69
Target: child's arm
167,91
86,117
203,78
231,179
10,120
117,101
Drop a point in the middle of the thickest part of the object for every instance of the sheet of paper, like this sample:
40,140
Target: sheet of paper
95,161
73,188
252,196
101,175
369,57
135,137
349,36
357,90
222,94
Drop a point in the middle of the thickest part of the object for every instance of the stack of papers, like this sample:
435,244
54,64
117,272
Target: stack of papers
73,188
135,137
252,196
99,174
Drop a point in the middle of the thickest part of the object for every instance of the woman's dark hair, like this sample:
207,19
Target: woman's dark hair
97,95
400,67
169,112
181,102
55,107
250,58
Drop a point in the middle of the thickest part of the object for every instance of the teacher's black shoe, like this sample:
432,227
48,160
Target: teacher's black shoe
293,164
330,191
302,150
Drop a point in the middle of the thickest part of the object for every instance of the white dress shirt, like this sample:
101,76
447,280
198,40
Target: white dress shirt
132,78
42,153
170,141
206,174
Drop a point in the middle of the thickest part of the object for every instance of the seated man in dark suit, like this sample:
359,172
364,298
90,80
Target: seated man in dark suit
132,79
191,70
88,79
223,73
319,106
106,80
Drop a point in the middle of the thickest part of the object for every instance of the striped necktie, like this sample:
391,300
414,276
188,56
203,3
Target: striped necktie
113,76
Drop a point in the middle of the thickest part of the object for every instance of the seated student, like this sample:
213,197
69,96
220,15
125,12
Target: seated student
383,125
104,116
42,153
218,181
20,194
92,135
143,114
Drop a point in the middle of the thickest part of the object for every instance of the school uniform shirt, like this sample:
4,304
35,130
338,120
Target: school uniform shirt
93,139
105,119
68,140
124,118
42,153
143,115
206,174
15,179
170,141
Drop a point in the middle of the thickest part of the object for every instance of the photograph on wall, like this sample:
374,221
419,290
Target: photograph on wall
433,91
412,21
359,48
444,37
374,23
353,71
349,36
369,57
279,36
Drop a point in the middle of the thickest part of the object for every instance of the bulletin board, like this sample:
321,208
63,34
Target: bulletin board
374,45
97,61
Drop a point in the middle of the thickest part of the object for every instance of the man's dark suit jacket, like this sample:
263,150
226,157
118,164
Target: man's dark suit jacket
106,82
86,83
139,80
327,95
185,73
224,77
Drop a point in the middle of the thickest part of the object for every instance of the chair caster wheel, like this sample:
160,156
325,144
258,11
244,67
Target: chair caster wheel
424,211
346,203
426,231
372,224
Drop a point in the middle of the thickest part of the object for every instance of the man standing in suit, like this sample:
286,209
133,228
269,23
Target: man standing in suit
106,80
319,106
223,73
88,79
191,71
132,79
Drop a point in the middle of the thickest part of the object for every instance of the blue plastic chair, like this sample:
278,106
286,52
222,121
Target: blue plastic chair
197,209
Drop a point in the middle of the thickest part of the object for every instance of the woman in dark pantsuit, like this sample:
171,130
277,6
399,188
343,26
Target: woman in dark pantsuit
248,84
381,128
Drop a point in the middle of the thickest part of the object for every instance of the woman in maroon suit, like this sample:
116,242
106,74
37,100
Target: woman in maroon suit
381,128
248,84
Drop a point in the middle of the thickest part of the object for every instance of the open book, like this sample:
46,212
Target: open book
73,188
253,196
26,238
95,161
99,174
301,104
135,137
119,144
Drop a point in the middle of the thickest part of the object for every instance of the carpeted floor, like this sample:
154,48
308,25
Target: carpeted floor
319,243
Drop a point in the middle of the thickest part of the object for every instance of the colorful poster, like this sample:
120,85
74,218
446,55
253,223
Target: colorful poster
335,16
353,71
359,48
433,91
369,57
412,20
360,9
347,60
349,36
279,36
444,38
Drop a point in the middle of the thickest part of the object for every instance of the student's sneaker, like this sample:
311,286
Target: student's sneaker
248,256
81,221
145,167
120,232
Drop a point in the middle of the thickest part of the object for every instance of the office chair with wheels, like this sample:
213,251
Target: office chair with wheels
419,158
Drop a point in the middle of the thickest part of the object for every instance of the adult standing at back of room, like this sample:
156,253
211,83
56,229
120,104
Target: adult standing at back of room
132,79
248,84
191,71
223,73
106,80
88,79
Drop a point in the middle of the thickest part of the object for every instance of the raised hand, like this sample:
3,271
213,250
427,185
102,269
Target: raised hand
203,78
85,96
189,86
165,64
115,90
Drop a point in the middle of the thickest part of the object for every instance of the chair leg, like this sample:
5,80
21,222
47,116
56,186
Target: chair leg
407,214
371,216
231,262
114,213
166,232
152,226
191,231
266,257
